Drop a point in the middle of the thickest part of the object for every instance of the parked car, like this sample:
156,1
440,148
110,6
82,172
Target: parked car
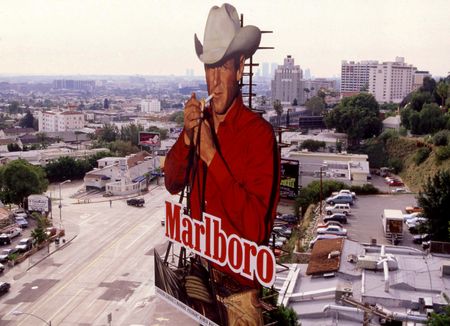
332,229
326,224
421,238
4,288
345,192
395,183
407,217
338,208
338,217
290,218
398,190
137,202
13,232
413,209
22,222
416,224
323,236
340,199
5,254
4,239
2,268
24,245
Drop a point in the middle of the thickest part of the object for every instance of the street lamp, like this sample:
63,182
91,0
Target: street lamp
18,313
60,205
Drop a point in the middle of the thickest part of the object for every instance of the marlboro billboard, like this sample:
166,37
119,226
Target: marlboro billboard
151,139
189,285
289,179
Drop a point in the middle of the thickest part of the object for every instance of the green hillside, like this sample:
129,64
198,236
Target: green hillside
405,149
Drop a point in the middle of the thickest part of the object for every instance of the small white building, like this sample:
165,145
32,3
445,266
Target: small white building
122,175
349,168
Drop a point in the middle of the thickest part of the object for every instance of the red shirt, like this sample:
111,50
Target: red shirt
242,181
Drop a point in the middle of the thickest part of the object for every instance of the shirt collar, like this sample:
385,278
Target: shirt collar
232,118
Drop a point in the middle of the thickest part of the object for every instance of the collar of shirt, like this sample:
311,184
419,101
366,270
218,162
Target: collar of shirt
232,120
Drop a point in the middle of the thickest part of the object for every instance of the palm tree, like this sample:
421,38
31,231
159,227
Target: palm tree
278,109
442,89
306,89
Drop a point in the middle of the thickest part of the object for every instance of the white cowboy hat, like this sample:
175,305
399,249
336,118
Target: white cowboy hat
225,36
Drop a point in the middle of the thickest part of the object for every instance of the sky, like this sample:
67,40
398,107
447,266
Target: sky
156,37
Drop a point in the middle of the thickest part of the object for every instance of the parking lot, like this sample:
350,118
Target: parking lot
364,224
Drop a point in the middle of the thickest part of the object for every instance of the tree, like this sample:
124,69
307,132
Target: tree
39,235
42,139
163,133
19,179
131,133
440,319
27,121
13,147
358,116
419,99
294,102
278,109
306,90
442,90
316,105
109,133
312,145
106,103
435,200
177,117
431,119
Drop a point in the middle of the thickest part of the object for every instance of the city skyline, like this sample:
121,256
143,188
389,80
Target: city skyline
51,37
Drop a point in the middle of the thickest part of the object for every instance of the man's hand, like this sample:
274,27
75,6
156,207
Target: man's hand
192,119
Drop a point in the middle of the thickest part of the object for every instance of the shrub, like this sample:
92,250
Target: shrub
367,189
442,153
396,164
441,138
421,155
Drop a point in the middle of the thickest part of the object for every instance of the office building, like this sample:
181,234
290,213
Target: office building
287,82
52,121
355,76
391,81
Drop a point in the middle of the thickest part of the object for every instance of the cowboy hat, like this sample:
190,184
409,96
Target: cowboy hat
224,36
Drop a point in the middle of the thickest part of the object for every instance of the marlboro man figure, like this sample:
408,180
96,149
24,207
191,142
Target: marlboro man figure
228,156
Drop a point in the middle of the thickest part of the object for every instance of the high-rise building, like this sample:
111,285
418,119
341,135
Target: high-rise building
152,105
355,76
418,78
391,81
307,74
287,82
265,70
273,68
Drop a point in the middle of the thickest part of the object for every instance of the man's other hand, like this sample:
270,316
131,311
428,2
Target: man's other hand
207,147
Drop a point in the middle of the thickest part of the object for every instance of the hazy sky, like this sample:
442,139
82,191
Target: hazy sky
150,37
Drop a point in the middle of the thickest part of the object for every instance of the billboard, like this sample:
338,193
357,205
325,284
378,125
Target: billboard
151,139
289,179
198,284
39,203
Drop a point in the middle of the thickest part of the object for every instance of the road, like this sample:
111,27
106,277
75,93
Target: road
106,269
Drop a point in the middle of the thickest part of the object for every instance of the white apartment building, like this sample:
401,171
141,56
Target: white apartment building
287,84
152,105
53,121
391,81
355,76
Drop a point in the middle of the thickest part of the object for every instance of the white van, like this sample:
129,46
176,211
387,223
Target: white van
338,208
